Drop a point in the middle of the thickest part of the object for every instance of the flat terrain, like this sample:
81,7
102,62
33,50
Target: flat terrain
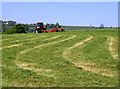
72,58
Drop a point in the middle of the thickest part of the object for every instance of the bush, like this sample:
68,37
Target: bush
10,31
19,28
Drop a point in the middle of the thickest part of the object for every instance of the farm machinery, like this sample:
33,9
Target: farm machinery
41,28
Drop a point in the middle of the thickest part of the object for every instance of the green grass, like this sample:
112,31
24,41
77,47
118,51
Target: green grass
47,66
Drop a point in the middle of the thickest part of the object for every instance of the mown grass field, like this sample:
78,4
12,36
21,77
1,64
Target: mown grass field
86,58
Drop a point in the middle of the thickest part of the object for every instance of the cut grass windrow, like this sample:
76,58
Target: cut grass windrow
38,70
66,52
42,45
88,66
92,68
28,39
19,42
15,45
41,71
52,38
81,58
55,37
112,49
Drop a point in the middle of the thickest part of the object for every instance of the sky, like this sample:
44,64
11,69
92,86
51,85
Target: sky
65,13
60,0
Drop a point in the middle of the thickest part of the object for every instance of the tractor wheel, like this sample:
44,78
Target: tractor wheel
57,31
36,31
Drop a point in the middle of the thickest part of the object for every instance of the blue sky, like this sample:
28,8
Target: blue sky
65,13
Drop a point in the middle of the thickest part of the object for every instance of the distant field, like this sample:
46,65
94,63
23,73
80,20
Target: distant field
62,59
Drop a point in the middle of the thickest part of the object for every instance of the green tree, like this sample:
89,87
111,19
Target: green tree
19,28
47,25
101,26
26,27
52,25
11,31
57,25
11,23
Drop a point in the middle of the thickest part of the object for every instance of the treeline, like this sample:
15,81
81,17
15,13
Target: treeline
14,27
52,25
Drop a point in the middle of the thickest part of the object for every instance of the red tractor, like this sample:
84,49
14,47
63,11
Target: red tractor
41,28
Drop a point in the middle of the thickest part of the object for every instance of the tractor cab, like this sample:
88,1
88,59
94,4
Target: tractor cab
40,27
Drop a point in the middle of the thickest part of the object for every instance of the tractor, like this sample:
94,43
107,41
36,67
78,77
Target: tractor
41,28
